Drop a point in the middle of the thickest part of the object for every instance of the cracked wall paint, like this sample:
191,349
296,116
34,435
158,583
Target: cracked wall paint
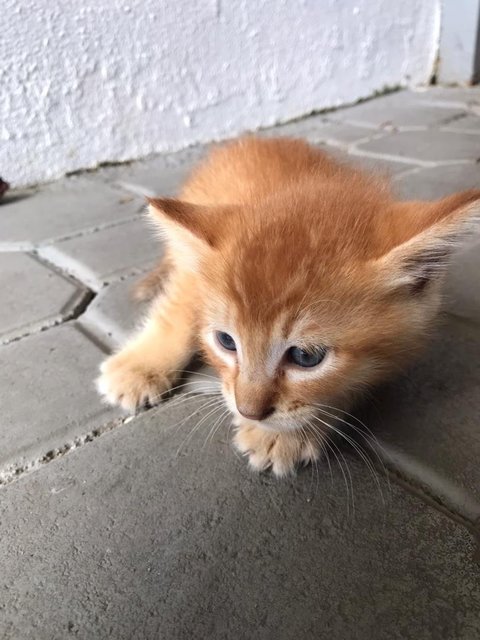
112,80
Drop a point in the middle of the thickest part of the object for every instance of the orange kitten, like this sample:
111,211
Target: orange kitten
301,280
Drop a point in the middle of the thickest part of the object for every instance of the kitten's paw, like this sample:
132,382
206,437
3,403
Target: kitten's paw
280,451
126,381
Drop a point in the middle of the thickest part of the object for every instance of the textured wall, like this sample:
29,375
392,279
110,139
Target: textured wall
103,80
459,55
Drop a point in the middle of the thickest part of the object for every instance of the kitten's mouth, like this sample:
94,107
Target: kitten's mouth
270,425
263,424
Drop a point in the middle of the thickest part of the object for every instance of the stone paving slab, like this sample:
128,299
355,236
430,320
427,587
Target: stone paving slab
469,123
383,167
319,129
430,145
48,395
398,110
437,182
157,175
462,290
114,314
431,415
468,97
154,180
143,535
108,255
25,308
380,166
62,209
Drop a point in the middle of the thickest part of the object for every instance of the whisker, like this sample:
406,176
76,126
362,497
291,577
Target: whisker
372,447
212,428
369,438
210,402
330,447
176,402
323,443
361,452
304,437
159,396
196,382
196,373
216,406
184,397
349,476
350,415
216,426
351,441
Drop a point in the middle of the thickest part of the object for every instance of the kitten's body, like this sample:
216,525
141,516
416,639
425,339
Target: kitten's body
283,248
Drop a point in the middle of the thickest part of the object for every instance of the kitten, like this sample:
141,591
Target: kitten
300,279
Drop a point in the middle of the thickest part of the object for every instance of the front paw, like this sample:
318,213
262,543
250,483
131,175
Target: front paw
128,382
280,451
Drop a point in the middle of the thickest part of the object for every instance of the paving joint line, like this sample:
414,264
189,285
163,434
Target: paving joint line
15,471
86,296
467,131
75,313
421,164
25,246
419,490
85,330
89,231
455,118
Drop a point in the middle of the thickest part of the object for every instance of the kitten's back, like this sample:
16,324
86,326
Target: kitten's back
255,167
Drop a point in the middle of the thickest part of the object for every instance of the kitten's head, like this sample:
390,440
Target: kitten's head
315,293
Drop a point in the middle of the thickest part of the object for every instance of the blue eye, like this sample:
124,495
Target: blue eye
226,341
304,358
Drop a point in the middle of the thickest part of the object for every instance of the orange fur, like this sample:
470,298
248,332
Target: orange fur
278,245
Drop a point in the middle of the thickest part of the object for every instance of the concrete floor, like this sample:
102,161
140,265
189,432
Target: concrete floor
120,527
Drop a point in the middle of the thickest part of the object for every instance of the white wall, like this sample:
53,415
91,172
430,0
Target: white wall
458,61
104,80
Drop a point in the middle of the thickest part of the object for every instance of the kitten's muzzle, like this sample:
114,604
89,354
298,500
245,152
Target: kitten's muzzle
254,396
257,415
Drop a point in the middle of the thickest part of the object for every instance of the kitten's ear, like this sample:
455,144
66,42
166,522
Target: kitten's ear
436,230
176,215
191,230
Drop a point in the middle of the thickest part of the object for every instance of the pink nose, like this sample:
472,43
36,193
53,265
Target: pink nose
255,414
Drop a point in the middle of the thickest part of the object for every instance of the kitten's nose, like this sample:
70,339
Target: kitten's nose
255,414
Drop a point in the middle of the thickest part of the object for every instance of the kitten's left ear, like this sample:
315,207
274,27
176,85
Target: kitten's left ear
436,230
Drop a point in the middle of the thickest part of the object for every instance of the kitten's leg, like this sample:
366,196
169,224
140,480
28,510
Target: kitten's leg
281,451
154,282
149,363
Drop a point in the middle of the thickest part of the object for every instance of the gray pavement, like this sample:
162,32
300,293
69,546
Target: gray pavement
121,527
145,533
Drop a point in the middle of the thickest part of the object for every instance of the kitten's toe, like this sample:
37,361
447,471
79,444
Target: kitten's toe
280,452
259,461
310,453
254,444
286,454
129,384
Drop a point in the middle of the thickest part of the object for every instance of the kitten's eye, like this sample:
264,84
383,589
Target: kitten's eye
226,340
303,358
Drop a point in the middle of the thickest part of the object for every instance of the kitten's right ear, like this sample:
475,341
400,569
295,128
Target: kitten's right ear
190,229
178,215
